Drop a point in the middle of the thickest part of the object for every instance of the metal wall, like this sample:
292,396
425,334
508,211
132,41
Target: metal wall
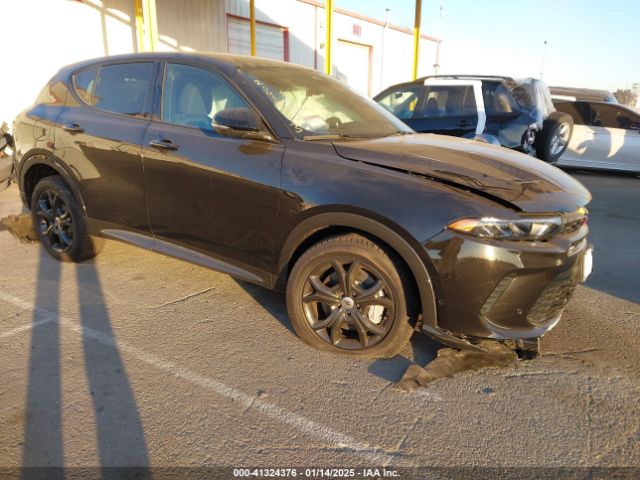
60,32
190,25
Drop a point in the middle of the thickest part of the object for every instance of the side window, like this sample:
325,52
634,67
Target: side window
497,99
123,88
84,83
195,97
610,116
448,101
578,110
402,103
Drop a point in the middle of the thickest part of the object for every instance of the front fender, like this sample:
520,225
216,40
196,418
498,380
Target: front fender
356,220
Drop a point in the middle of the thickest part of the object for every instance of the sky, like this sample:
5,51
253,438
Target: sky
590,43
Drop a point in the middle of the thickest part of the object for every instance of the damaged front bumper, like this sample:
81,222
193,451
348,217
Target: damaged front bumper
503,290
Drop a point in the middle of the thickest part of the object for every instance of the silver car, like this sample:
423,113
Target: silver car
605,136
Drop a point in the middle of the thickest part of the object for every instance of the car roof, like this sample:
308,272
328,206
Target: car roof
490,78
224,60
583,93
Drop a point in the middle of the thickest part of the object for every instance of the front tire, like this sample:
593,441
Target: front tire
554,137
59,222
348,295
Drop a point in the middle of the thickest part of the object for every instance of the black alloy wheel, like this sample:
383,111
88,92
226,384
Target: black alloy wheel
55,223
348,303
60,223
348,295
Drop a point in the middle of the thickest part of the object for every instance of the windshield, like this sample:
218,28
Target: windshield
315,104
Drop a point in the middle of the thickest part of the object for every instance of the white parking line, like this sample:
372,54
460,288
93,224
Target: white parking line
28,326
303,424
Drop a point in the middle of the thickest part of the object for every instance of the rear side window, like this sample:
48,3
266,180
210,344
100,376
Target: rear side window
84,83
498,100
122,88
579,111
402,102
448,101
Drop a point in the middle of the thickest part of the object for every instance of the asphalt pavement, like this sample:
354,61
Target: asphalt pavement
140,359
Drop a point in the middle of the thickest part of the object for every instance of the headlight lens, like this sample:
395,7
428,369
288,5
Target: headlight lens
534,228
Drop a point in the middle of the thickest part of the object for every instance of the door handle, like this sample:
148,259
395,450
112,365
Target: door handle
164,144
73,128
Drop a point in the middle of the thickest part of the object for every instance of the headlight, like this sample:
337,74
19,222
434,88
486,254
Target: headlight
530,135
534,228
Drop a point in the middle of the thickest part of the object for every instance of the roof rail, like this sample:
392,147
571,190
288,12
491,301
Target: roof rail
460,76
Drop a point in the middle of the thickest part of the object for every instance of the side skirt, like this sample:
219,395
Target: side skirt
183,253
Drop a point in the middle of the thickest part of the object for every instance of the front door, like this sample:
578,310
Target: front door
209,189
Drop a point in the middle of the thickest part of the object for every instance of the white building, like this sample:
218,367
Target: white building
40,36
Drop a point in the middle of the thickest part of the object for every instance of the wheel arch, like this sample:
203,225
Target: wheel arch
37,161
319,225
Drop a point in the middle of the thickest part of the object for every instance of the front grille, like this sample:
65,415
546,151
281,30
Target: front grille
551,302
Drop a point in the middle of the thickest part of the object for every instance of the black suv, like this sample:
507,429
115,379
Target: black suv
517,114
282,176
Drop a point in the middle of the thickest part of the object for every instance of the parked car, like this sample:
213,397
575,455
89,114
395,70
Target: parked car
498,110
6,157
605,136
282,176
582,94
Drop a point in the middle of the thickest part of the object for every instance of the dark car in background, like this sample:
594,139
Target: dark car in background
516,114
606,136
582,94
283,177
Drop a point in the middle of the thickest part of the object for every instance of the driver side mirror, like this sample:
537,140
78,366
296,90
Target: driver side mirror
240,122
242,119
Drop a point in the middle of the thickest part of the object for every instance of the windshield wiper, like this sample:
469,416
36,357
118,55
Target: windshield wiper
321,137
399,132
331,136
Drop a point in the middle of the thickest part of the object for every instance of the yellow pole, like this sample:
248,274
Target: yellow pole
416,37
140,36
252,26
150,23
327,43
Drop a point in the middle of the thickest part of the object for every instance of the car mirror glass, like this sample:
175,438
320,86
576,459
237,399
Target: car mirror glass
242,119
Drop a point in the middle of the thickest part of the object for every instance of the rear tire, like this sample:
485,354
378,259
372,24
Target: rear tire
554,138
348,295
59,222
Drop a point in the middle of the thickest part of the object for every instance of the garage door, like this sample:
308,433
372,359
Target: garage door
270,39
352,63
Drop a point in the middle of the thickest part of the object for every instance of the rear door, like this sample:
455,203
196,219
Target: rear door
99,136
450,107
208,190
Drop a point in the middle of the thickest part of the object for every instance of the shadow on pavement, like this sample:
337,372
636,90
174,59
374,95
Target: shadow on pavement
43,423
273,302
424,350
120,437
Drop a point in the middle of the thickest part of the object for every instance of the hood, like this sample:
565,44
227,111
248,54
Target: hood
525,182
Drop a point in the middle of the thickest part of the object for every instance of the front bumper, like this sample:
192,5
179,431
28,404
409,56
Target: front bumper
501,289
